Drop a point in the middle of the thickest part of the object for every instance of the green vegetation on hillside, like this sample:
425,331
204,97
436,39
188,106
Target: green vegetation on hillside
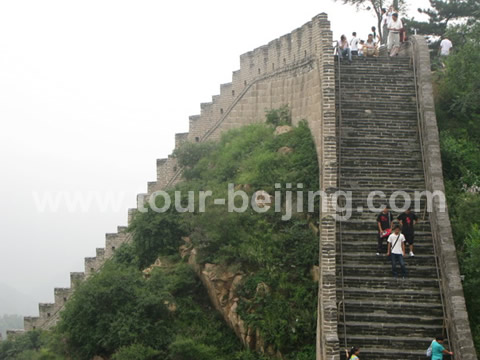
120,314
458,112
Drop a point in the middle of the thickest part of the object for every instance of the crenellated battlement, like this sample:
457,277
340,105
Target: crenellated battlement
76,278
180,139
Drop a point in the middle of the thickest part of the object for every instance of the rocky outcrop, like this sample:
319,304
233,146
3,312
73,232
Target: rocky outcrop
221,284
280,130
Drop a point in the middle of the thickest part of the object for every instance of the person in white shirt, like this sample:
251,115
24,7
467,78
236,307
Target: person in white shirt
445,47
361,47
396,251
394,28
385,20
344,49
370,48
354,44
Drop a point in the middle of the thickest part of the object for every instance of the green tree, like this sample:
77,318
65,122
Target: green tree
471,271
442,13
376,6
115,308
136,352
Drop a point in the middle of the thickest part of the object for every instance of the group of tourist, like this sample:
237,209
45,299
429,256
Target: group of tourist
393,34
399,236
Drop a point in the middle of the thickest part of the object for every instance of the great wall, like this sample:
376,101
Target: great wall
299,69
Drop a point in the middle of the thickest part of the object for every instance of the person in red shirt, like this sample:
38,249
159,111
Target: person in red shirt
408,220
385,226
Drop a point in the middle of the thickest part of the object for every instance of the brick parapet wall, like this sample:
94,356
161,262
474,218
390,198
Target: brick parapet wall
456,313
327,326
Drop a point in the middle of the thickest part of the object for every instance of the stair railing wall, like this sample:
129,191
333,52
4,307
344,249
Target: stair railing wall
457,324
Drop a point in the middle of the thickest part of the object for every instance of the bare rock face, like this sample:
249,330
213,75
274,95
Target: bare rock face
280,130
221,284
315,272
147,272
285,150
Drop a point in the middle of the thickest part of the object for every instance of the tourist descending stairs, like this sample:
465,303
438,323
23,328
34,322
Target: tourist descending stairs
379,150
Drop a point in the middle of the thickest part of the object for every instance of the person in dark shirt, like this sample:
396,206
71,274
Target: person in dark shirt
385,226
408,220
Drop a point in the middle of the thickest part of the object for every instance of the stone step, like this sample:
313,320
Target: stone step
366,258
378,63
376,141
380,182
389,328
364,215
398,163
386,105
392,294
381,128
369,79
399,136
378,353
423,226
353,94
405,317
362,239
394,116
384,269
378,88
383,171
369,245
393,308
364,151
360,205
383,67
376,282
381,131
369,119
395,343
387,189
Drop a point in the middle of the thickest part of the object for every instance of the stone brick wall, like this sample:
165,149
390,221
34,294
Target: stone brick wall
285,71
456,313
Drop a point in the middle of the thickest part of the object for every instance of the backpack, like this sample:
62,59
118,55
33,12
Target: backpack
429,350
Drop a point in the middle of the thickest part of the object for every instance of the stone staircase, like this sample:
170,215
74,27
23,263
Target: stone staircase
380,150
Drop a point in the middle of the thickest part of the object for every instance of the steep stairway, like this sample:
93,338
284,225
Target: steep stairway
380,149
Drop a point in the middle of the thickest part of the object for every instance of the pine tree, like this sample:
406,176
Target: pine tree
443,13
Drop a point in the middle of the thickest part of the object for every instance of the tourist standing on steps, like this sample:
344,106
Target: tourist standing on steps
385,20
354,44
353,353
385,225
408,220
374,33
344,49
396,251
438,350
395,26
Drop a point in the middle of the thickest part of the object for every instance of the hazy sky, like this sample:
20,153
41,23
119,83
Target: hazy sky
92,93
